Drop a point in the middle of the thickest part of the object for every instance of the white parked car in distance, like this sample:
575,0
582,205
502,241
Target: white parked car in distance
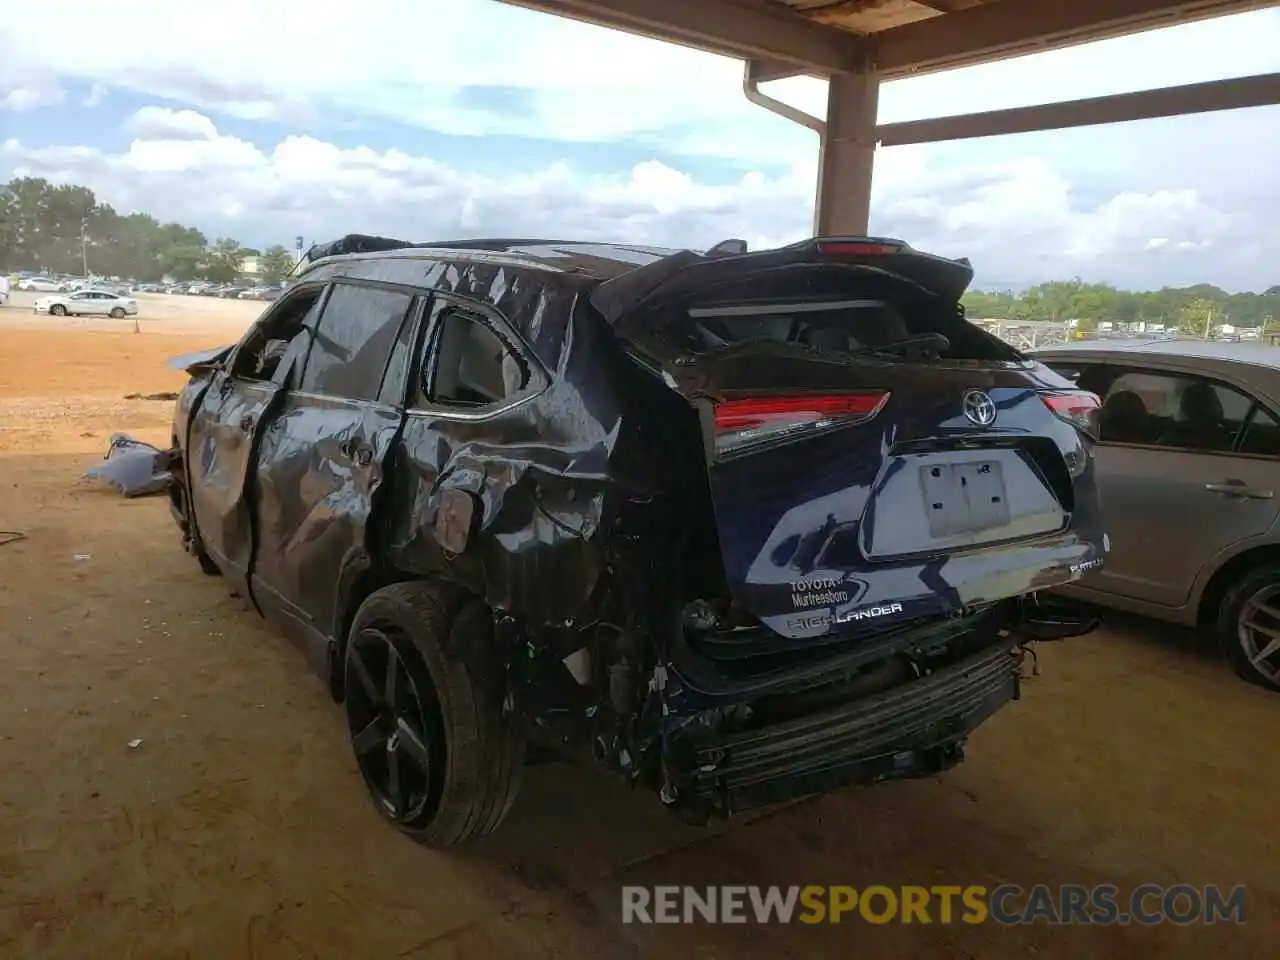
85,303
42,285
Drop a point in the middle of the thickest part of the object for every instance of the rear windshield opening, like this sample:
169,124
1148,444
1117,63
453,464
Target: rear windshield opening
833,323
844,326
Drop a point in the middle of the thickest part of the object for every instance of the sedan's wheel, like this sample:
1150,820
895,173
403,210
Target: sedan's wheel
58,310
438,757
1249,627
117,313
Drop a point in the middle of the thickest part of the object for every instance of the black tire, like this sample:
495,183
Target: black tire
58,310
1239,608
117,313
207,566
193,543
457,758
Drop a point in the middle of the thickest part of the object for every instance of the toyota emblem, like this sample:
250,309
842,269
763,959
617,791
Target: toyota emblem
979,408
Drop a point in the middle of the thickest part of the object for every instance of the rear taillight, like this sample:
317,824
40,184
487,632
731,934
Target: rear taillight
742,424
1078,407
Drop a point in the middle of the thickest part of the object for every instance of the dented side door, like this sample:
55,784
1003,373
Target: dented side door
321,463
221,441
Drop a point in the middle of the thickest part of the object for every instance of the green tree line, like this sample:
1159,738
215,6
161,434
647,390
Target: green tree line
42,224
60,229
1188,309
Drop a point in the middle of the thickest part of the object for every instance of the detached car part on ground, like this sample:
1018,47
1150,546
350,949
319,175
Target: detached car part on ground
741,526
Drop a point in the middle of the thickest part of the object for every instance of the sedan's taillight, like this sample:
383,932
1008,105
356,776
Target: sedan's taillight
1078,407
747,423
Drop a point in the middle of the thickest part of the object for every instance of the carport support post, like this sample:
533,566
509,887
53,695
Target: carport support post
847,154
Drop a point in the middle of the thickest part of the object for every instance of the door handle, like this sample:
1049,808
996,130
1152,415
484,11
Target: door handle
247,422
1237,488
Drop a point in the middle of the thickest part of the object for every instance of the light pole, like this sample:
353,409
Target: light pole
84,247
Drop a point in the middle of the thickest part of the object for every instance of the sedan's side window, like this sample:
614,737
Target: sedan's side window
357,330
1261,435
474,366
1172,410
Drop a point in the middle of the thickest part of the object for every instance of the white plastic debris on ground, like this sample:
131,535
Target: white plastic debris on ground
136,468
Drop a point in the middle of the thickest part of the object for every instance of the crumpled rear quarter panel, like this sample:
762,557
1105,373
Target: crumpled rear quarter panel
545,473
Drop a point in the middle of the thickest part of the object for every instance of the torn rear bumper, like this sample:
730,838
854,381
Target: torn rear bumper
136,468
913,730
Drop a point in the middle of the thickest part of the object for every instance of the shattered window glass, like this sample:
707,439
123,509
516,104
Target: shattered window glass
473,366
357,330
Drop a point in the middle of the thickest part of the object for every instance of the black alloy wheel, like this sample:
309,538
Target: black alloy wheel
394,722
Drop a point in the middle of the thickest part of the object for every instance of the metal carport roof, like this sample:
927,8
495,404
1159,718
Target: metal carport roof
859,44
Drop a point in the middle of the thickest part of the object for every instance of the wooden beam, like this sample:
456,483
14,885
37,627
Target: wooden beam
763,71
1010,28
749,29
1236,94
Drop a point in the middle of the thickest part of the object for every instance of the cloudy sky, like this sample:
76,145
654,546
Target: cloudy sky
264,119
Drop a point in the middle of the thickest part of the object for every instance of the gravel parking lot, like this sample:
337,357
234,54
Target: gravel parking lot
238,826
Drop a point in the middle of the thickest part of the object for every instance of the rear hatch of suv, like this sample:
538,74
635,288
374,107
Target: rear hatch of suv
872,456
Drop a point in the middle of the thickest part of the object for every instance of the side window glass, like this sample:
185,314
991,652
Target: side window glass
1172,410
473,366
1071,371
1262,436
395,382
356,332
1209,416
281,332
1087,376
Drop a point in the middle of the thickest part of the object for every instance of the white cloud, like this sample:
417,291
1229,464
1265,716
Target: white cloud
161,123
425,62
1017,220
97,93
1161,203
31,95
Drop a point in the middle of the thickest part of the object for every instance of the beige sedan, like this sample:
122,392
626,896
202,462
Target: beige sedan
1188,464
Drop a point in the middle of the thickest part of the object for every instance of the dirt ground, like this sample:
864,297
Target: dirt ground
238,826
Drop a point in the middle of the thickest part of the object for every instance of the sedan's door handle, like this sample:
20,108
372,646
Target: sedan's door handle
1237,488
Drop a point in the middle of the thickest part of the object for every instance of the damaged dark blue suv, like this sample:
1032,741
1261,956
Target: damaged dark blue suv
741,526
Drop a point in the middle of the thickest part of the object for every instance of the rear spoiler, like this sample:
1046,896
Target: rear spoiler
684,272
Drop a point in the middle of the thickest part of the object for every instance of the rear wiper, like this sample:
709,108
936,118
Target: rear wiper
925,344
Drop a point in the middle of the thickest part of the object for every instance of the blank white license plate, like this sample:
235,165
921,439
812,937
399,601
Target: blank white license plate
964,497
